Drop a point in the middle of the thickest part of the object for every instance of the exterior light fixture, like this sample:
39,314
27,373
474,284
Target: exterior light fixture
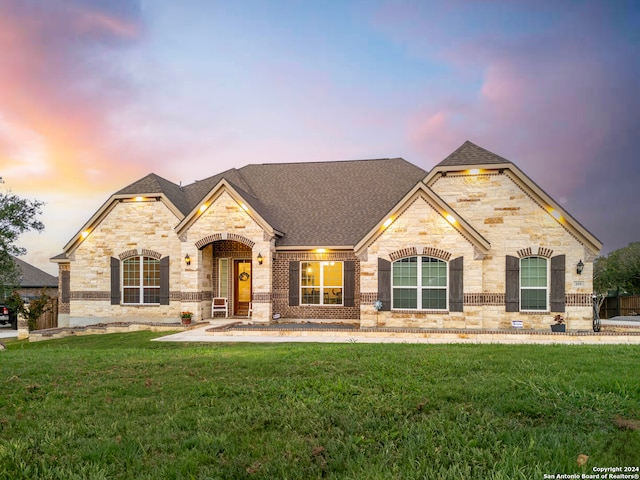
450,218
260,259
474,171
85,234
387,222
203,208
187,259
579,267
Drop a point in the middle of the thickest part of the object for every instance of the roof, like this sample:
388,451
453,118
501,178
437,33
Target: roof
313,204
319,204
469,154
32,277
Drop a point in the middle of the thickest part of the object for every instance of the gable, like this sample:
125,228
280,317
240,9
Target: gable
504,207
422,217
470,174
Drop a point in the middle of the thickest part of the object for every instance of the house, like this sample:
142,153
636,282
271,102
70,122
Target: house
474,244
33,281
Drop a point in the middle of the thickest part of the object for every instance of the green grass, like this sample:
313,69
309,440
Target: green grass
119,406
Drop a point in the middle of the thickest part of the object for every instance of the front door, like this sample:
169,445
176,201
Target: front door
243,281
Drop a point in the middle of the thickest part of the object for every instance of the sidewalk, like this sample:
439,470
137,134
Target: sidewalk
227,331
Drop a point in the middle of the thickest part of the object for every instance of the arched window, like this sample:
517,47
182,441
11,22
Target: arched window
141,280
534,279
419,283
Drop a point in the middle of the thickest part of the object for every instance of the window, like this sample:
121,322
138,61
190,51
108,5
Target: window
533,283
223,280
419,283
321,283
141,280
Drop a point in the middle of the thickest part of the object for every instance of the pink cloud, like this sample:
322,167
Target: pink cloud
60,89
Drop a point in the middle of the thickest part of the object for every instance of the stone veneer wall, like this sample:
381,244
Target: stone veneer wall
419,230
502,210
130,226
328,312
225,220
513,221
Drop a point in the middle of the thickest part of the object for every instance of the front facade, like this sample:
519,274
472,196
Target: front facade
472,244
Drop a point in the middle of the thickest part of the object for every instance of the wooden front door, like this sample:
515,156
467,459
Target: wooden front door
242,285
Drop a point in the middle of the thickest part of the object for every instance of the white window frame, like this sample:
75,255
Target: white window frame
545,288
419,287
321,286
141,286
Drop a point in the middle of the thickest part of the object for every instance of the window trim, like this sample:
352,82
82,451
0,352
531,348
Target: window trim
419,287
321,285
140,287
547,286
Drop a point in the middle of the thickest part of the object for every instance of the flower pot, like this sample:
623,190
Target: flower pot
186,321
559,328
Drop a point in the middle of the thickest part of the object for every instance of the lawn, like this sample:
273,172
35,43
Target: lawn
122,407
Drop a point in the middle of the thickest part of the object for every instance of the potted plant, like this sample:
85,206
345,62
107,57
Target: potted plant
558,325
186,317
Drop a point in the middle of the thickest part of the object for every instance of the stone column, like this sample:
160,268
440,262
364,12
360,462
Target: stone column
23,328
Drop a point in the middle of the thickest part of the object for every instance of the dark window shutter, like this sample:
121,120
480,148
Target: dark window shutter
294,284
164,281
512,284
65,277
349,283
384,283
115,281
557,283
456,295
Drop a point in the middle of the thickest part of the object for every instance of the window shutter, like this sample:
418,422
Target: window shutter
65,277
456,295
557,283
294,284
512,284
349,283
164,281
384,283
115,281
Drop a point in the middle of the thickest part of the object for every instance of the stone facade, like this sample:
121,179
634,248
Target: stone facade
471,221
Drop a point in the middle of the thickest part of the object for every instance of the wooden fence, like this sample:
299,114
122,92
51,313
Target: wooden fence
49,319
622,305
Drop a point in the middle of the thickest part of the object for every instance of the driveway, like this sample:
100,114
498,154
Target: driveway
7,332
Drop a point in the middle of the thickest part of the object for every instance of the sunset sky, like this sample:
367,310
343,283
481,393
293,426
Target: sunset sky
95,94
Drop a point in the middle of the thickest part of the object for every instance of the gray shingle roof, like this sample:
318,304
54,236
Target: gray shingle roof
321,203
469,154
32,277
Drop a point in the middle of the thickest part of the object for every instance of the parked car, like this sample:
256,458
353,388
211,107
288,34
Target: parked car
8,317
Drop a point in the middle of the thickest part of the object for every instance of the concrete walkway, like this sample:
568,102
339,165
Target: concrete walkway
7,332
226,331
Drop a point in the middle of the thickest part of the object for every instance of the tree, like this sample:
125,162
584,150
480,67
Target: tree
618,270
31,311
17,215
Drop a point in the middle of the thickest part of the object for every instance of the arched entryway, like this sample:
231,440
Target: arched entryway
227,262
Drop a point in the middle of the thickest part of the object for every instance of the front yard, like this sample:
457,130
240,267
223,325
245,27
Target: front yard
120,406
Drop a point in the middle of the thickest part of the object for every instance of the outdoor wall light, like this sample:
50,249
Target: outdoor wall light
579,267
187,259
260,259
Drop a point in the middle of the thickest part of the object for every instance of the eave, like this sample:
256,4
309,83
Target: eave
445,210
244,203
532,189
104,210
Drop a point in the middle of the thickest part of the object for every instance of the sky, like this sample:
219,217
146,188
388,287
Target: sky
96,94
